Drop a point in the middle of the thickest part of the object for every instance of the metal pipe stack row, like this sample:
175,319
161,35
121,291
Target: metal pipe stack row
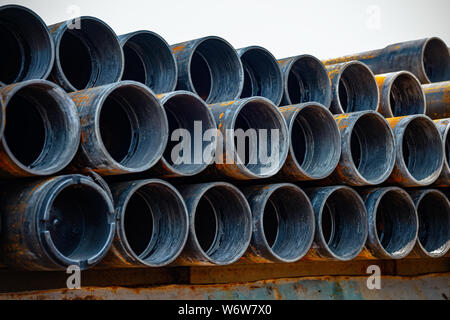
93,171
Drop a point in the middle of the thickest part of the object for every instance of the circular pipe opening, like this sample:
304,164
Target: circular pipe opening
422,151
406,96
357,89
433,209
216,71
133,127
372,147
155,224
395,223
308,81
260,138
196,120
222,221
288,223
262,76
29,50
315,141
342,223
88,57
79,222
149,60
42,128
436,60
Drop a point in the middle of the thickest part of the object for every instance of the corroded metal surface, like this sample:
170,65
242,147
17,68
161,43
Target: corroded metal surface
433,286
428,59
438,99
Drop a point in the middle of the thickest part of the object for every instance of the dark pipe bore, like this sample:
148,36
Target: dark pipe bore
283,222
65,220
341,222
185,111
262,76
433,209
315,143
149,60
367,156
28,50
152,224
220,224
305,80
419,151
209,67
86,57
393,223
354,87
42,129
130,128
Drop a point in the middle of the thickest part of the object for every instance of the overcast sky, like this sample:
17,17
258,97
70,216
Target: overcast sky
324,28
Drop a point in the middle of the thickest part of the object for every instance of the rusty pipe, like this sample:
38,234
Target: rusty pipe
443,126
400,94
42,129
151,224
433,209
56,222
353,87
262,75
28,49
149,60
220,224
88,54
393,223
123,128
367,149
428,59
341,223
419,151
283,223
263,153
209,67
315,142
438,99
185,111
305,79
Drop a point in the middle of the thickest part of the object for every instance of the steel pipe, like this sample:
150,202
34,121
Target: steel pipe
88,54
400,94
353,87
28,49
393,223
419,152
433,209
443,126
428,59
149,60
53,223
261,155
209,67
305,79
185,111
220,224
152,224
438,99
262,75
42,129
367,149
283,223
124,128
341,223
315,142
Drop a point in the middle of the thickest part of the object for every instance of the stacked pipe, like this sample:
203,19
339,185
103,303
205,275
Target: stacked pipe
124,151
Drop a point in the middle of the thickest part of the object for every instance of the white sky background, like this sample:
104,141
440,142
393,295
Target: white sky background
324,28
